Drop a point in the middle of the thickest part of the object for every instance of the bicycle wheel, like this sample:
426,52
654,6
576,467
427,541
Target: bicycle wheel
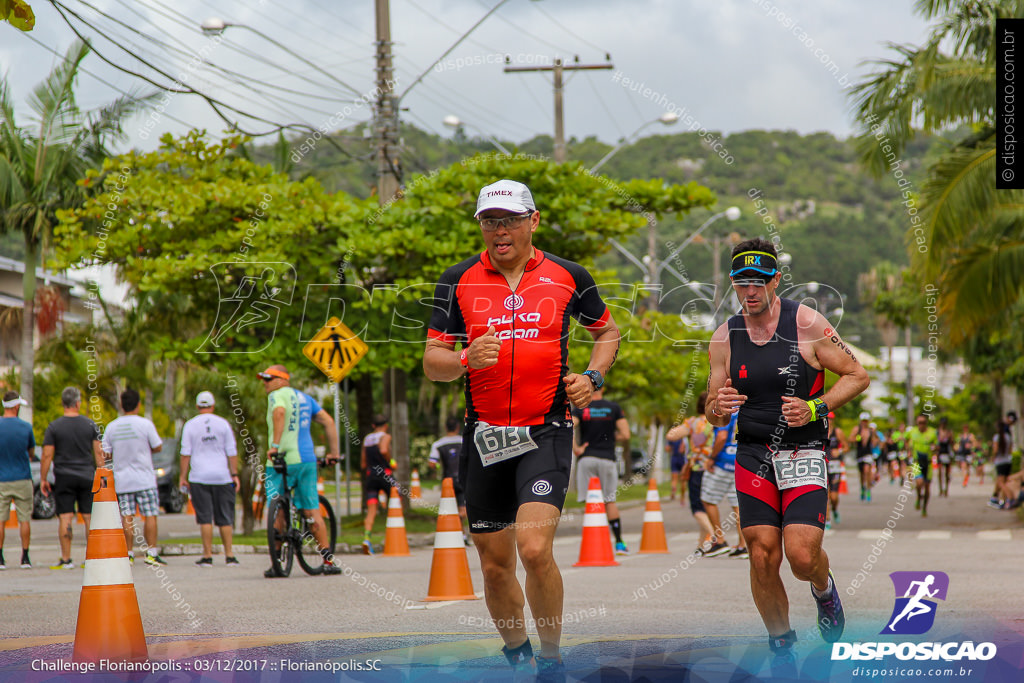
281,550
311,561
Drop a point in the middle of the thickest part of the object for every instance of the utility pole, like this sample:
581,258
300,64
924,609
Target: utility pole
388,166
558,68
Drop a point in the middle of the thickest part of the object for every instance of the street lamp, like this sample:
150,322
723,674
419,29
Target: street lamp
453,121
668,118
732,213
214,26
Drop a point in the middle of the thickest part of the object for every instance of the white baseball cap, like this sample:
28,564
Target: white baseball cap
505,194
204,399
865,415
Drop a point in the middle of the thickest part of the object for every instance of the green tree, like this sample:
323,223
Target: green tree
968,238
40,167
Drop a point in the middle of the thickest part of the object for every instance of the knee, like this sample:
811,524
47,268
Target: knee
765,557
802,562
535,554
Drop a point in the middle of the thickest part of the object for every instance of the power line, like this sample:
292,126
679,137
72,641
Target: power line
603,104
540,9
272,99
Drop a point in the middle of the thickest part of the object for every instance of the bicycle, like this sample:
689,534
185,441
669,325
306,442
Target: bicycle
296,532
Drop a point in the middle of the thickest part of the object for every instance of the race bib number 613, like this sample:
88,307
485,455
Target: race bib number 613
804,467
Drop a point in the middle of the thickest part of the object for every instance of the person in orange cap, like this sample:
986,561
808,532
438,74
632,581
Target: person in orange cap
285,424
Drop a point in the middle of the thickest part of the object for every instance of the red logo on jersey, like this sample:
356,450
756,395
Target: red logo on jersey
743,372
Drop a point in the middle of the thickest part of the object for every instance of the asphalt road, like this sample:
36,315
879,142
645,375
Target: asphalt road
647,606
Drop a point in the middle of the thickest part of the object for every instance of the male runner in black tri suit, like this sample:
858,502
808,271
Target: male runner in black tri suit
768,363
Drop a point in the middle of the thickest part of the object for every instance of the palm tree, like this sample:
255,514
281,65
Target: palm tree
970,239
40,167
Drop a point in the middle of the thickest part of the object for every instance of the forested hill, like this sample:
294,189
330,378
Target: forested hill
833,218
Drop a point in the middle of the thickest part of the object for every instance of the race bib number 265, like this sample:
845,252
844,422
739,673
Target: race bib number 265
804,467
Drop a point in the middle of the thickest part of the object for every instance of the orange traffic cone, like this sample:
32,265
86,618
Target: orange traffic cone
449,570
12,521
652,540
79,519
415,493
109,623
257,500
189,510
395,540
320,485
596,547
843,488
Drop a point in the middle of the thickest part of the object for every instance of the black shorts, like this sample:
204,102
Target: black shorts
761,502
374,483
833,482
1004,470
214,503
70,490
924,466
677,462
494,493
696,479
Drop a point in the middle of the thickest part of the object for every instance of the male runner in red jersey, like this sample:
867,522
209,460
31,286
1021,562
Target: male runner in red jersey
510,307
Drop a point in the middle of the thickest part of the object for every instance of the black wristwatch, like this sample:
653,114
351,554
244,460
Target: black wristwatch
596,378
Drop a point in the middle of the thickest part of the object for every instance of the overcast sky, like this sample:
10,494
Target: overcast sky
730,64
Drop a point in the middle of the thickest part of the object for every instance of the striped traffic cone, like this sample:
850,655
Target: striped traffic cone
652,539
257,500
449,570
596,546
12,520
415,493
395,541
843,488
109,624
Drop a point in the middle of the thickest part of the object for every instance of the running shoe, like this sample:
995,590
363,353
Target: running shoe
621,549
367,547
155,560
994,503
917,504
740,554
330,569
550,670
63,564
716,550
868,499
831,619
204,562
835,516
272,574
699,552
232,561
25,562
2,565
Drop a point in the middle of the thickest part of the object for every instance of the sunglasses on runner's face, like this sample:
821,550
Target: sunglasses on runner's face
747,280
508,222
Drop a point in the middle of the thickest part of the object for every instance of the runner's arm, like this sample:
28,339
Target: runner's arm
44,469
578,387
98,453
622,432
440,361
385,446
718,378
831,353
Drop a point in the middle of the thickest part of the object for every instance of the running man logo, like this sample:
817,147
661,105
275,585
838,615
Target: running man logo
914,611
250,297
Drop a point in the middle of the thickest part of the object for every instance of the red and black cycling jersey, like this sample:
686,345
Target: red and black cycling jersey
766,373
525,387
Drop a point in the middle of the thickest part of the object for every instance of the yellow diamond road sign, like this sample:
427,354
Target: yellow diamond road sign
335,349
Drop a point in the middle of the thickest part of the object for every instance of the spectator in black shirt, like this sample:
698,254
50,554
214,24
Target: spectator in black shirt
599,427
